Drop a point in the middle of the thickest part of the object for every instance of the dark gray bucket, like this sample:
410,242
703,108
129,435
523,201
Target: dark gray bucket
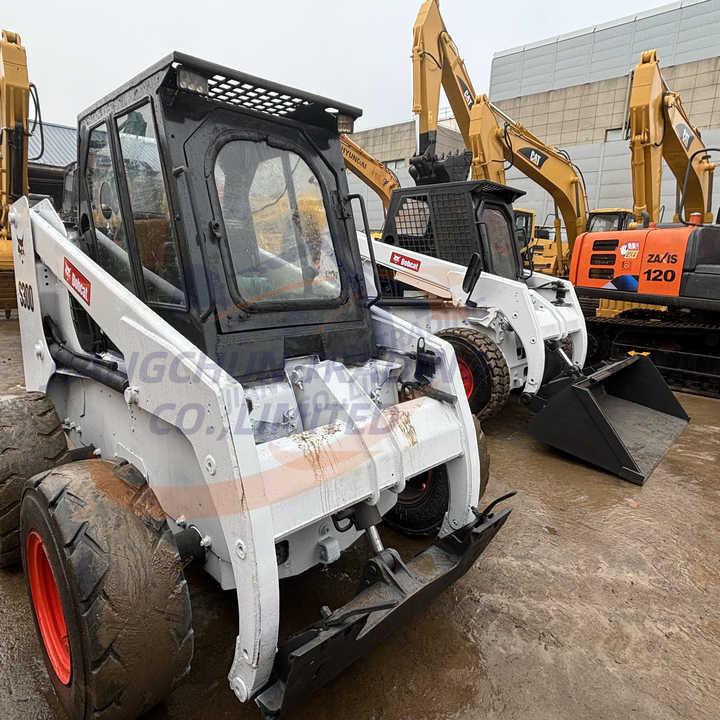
622,417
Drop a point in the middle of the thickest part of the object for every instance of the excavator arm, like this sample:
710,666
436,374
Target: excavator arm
14,110
492,138
437,63
372,172
660,129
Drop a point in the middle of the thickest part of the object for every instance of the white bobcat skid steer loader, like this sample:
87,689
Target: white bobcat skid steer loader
230,394
449,263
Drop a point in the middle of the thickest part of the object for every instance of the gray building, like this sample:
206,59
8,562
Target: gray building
572,91
394,145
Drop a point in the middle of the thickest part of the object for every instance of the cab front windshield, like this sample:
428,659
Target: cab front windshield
276,226
604,222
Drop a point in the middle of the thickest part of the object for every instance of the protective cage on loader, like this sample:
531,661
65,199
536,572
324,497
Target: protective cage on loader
230,393
449,262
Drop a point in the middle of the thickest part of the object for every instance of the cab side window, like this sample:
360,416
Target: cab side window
501,243
111,239
154,233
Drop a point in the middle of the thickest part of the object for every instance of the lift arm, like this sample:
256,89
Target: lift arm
371,171
660,129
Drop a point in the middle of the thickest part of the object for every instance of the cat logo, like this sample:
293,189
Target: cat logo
536,157
467,95
685,134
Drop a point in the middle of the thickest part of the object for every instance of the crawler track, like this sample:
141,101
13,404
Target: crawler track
685,348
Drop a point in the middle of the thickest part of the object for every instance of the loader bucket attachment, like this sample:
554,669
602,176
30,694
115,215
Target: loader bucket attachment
390,593
622,417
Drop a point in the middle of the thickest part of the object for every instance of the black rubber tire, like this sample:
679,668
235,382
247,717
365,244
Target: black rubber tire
487,364
421,507
121,586
31,441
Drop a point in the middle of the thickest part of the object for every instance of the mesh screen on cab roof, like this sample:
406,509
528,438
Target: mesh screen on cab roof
253,97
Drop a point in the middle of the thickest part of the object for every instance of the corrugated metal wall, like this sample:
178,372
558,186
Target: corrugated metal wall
681,32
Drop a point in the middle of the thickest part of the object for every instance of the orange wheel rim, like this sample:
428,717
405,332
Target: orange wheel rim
48,608
466,375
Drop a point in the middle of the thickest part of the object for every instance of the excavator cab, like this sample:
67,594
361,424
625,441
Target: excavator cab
524,228
609,220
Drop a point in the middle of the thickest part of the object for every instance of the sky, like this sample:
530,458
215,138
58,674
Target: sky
357,52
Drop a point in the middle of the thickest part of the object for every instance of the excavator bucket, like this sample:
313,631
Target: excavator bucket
622,417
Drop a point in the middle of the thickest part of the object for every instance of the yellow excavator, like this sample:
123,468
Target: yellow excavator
661,130
14,111
372,172
493,139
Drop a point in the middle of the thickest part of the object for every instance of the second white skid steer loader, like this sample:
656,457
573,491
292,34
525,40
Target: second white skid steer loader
449,262
230,391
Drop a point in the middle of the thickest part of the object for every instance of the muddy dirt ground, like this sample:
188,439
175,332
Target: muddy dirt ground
598,599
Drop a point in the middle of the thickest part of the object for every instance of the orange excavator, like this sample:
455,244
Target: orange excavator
672,269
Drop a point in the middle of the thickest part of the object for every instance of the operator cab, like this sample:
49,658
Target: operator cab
453,221
609,220
220,200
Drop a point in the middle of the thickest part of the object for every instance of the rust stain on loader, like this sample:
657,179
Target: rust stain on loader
400,419
315,447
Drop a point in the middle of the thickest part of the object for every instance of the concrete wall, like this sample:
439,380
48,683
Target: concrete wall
393,145
583,113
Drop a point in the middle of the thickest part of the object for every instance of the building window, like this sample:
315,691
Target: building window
614,134
395,165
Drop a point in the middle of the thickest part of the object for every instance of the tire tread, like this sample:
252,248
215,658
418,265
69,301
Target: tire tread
119,683
499,372
32,440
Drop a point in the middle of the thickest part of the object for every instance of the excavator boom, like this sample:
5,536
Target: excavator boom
682,140
545,165
660,129
371,171
492,138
